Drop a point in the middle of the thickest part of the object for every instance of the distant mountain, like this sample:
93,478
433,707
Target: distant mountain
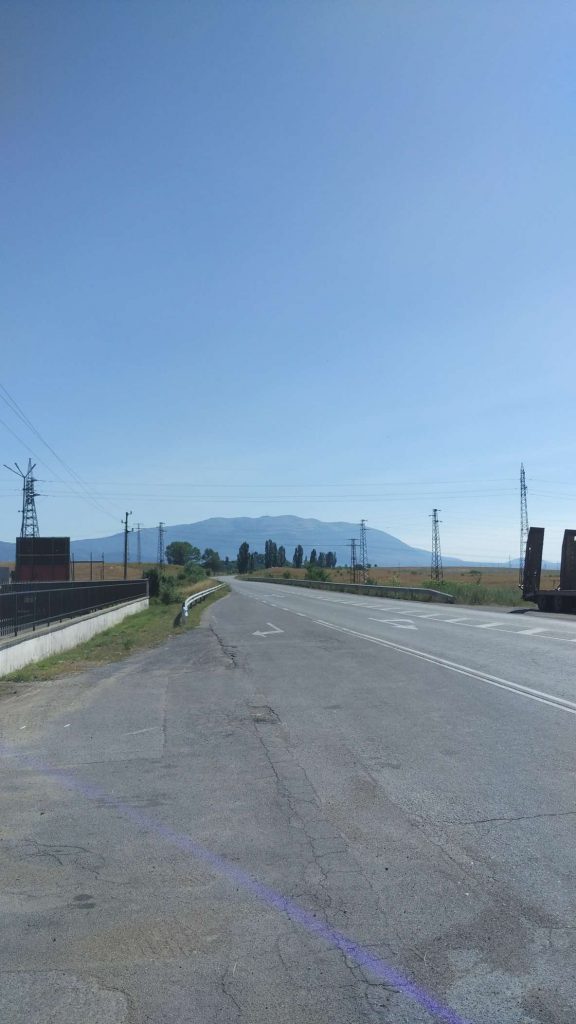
226,535
514,563
7,551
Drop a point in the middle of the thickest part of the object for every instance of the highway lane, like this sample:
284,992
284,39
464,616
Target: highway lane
271,818
534,650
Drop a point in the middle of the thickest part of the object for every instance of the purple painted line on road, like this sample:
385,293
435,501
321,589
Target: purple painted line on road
361,956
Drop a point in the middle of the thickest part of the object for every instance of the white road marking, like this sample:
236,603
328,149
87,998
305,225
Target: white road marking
268,632
135,732
463,670
67,726
431,615
400,624
463,618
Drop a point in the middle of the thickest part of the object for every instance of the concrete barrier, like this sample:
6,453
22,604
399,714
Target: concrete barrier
41,644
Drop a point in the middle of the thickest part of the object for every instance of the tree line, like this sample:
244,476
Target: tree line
275,556
181,552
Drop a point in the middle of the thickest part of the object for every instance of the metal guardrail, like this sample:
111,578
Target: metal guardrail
28,606
195,598
370,589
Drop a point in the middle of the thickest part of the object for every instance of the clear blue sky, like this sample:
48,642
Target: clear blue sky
291,256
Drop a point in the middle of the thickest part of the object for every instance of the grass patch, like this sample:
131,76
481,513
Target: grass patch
476,593
483,585
146,629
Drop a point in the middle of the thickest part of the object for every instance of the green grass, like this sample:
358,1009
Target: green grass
504,594
476,593
146,629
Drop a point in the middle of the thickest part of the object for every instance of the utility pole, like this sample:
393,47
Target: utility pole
160,554
523,524
363,552
436,572
29,526
353,562
125,524
139,545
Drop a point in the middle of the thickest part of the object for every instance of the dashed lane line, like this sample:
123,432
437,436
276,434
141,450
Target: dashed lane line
540,631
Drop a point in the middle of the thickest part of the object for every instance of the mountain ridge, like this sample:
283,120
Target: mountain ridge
226,534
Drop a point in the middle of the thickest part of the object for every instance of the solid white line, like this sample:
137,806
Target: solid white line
537,629
492,625
464,670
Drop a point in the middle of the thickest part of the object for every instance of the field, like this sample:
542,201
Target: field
83,571
468,585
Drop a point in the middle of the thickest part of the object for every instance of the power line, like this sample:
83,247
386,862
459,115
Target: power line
125,524
436,572
12,404
363,552
523,523
353,563
139,544
160,552
29,527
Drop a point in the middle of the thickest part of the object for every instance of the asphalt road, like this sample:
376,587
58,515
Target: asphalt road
315,808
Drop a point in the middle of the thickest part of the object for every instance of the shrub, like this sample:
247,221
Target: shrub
193,573
153,577
287,574
313,572
169,592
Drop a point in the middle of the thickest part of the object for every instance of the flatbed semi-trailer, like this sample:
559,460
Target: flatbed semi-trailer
563,599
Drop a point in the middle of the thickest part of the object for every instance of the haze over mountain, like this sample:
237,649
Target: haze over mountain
225,536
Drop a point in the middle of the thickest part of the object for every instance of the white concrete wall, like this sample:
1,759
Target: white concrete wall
35,646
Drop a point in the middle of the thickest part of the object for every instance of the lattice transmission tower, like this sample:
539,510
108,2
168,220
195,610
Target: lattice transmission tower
523,523
353,560
160,554
436,571
363,564
29,527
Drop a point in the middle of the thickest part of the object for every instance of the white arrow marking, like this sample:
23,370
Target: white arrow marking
404,624
268,632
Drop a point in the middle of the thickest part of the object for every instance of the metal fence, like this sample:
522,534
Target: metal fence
367,589
25,606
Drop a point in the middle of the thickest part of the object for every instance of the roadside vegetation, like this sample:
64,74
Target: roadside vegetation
146,629
468,586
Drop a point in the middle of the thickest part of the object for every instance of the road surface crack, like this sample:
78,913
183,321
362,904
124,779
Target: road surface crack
224,985
227,650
